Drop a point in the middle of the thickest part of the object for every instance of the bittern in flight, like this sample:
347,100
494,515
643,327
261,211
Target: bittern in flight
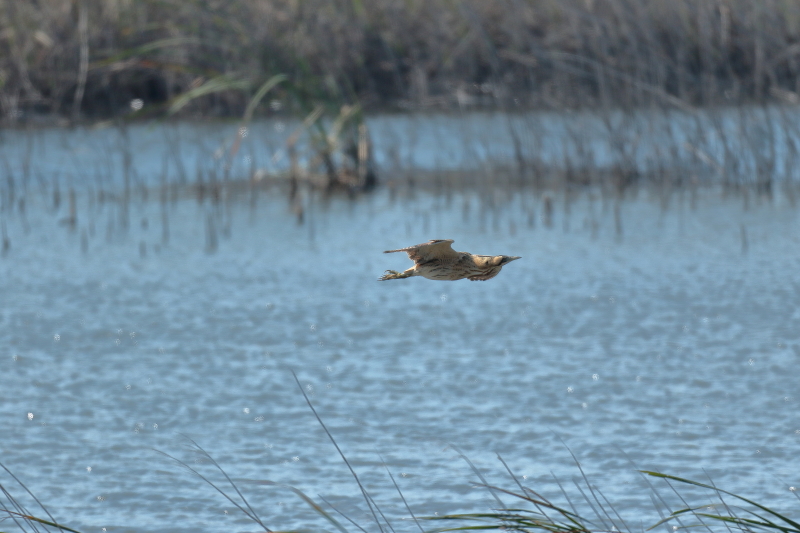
437,260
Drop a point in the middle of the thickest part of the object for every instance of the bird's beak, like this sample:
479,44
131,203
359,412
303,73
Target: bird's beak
512,258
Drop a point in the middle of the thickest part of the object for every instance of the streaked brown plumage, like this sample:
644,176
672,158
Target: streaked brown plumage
437,260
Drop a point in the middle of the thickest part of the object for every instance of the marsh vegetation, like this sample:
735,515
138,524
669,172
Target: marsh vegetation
91,58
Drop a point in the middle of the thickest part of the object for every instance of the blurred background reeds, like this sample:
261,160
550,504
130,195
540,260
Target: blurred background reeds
91,58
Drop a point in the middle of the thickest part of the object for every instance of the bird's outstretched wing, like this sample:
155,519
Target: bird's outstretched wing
435,249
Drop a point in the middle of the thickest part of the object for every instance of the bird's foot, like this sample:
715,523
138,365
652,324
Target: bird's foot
391,274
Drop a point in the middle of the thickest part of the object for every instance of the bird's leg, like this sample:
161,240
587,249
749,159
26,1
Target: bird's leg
393,274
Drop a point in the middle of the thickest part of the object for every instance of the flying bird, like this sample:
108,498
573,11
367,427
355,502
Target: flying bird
437,260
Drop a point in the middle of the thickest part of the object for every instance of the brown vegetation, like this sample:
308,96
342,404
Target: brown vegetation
94,57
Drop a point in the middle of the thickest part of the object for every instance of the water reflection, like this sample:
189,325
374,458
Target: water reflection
755,146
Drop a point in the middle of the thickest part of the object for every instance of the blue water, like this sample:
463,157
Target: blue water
727,145
654,331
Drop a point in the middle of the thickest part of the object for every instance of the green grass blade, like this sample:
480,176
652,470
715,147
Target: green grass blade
205,454
380,512
561,487
341,513
591,506
145,49
478,473
503,521
468,528
214,85
320,510
397,487
254,518
608,503
569,515
15,503
669,518
591,490
523,489
743,522
341,454
314,505
260,93
656,498
794,525
748,521
40,521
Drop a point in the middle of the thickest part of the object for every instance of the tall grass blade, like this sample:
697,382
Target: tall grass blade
207,456
20,510
520,519
621,521
330,436
525,490
380,512
260,93
254,101
39,520
589,503
728,508
401,495
655,496
214,85
314,505
658,510
341,513
573,518
145,49
684,502
591,490
762,522
564,492
247,510
480,476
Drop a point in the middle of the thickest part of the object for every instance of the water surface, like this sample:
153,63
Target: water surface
665,337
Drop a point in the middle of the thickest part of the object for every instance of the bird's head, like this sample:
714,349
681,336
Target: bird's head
501,260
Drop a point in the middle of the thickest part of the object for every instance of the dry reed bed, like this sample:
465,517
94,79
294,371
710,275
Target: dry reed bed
91,58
